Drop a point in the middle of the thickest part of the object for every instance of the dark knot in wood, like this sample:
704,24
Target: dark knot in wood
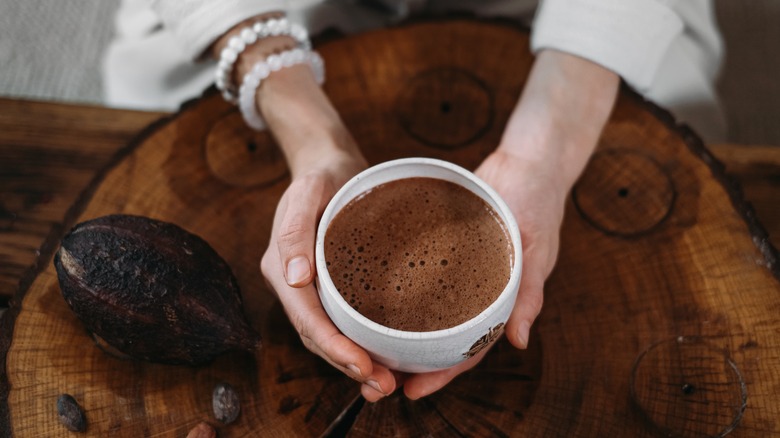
686,387
624,192
445,108
242,157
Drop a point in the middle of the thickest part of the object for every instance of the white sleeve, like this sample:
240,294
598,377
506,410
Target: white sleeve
196,24
629,37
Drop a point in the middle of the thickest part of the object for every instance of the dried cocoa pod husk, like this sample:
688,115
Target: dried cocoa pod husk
152,290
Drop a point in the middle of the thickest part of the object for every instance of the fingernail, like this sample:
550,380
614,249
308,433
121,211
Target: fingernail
522,334
298,270
352,367
374,384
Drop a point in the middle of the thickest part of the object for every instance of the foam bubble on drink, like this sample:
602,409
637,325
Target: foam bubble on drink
418,254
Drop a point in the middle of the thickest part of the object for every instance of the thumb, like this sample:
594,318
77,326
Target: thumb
529,300
297,232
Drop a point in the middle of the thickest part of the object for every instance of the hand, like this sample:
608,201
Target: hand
547,142
536,198
322,156
288,266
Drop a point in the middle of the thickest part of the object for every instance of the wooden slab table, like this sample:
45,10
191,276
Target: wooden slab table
660,318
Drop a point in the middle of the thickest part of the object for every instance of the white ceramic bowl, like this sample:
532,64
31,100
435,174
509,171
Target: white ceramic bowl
409,351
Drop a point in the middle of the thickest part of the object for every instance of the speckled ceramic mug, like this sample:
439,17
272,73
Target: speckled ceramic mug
410,351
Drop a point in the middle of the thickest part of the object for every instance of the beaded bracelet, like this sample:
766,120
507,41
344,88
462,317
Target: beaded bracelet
263,69
248,36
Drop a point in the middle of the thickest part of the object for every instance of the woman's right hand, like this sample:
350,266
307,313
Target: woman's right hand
288,267
322,157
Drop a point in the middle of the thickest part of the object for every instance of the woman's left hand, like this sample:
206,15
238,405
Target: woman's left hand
537,200
546,144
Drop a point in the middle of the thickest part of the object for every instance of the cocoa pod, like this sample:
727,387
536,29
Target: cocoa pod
152,290
70,413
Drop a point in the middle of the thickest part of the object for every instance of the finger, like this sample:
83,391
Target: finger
324,339
371,393
421,385
530,298
400,377
339,350
305,312
320,336
297,231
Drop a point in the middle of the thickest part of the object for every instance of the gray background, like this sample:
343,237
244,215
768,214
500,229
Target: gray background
51,50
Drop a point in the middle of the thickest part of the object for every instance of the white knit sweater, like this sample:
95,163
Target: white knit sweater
668,50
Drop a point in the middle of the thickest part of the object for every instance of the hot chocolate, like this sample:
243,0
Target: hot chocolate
418,254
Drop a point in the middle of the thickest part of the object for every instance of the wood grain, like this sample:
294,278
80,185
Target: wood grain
48,154
26,175
605,356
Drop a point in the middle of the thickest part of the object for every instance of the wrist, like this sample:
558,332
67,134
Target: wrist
252,42
565,104
332,151
258,50
329,159
290,101
304,123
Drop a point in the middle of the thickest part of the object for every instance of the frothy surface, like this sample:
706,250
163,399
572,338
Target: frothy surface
418,254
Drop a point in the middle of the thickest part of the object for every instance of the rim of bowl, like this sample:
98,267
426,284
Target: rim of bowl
505,214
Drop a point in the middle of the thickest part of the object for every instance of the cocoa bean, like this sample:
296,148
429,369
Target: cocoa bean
70,413
225,403
202,430
152,290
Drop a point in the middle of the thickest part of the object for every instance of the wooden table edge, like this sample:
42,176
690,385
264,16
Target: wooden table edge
718,170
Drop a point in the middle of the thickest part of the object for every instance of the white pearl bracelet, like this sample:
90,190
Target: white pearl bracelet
263,69
248,36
